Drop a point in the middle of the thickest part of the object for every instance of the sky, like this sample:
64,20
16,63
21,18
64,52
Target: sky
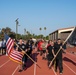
33,14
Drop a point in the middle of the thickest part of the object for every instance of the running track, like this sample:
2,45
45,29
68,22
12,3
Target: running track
8,67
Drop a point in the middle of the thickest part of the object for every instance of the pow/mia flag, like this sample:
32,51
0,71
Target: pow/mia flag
72,38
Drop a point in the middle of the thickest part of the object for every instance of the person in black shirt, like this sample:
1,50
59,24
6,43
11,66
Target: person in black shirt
3,46
29,48
24,59
58,59
31,41
50,52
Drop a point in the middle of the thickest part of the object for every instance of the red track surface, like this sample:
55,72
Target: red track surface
8,67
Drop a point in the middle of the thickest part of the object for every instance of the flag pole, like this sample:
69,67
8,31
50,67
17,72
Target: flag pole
60,49
28,56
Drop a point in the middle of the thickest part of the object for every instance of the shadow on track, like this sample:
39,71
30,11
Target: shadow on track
29,62
69,60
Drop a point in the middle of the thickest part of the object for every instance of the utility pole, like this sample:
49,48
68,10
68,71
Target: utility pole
0,30
16,26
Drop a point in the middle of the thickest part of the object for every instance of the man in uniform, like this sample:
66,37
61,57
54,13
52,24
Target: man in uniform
58,59
50,50
24,59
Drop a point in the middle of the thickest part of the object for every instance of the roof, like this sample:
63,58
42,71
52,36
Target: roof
61,29
65,28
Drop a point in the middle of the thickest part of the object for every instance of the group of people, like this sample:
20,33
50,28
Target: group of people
26,46
22,46
49,51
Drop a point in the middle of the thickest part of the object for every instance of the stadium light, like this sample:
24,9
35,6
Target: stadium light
17,24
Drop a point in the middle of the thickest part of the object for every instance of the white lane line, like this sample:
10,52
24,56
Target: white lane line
34,68
35,64
54,71
69,68
4,63
15,70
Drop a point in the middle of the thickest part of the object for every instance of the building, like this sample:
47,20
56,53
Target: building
60,33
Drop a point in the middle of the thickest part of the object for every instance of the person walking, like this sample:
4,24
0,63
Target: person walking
50,52
58,60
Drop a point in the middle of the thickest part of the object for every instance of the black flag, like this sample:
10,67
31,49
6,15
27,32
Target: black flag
72,38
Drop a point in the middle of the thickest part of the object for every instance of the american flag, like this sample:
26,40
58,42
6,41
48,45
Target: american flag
9,43
14,55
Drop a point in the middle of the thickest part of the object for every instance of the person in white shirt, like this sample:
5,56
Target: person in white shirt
0,47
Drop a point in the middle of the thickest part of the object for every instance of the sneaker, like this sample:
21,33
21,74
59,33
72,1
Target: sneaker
20,70
61,73
24,66
48,63
6,54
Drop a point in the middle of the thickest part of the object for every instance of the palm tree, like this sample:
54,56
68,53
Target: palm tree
24,31
45,32
40,31
44,28
27,32
3,30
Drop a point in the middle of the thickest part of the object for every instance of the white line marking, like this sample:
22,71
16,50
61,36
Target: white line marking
69,68
35,64
4,63
54,71
34,68
15,70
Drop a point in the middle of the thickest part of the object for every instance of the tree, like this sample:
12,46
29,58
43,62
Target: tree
47,37
27,32
3,30
12,35
6,30
44,28
40,31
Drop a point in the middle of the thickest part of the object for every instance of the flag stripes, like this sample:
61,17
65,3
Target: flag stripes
12,53
16,56
9,45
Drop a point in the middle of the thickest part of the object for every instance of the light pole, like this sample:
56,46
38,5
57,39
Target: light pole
45,32
0,30
17,24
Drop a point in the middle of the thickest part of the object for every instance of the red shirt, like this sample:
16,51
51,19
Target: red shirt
39,45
